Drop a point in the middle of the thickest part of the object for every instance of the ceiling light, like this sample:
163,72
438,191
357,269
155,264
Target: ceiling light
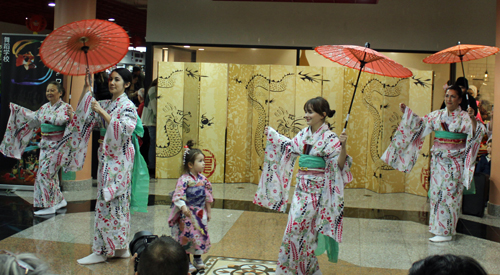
187,46
486,74
52,4
201,49
111,19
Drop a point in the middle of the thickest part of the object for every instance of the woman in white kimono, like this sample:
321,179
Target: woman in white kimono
117,119
456,144
318,202
52,117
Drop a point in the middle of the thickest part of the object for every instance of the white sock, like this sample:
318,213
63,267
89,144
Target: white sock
437,239
45,211
92,259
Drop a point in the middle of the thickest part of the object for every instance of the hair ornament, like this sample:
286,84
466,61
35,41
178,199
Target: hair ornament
186,151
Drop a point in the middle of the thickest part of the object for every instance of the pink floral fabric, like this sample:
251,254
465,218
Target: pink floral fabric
20,129
191,232
452,166
318,203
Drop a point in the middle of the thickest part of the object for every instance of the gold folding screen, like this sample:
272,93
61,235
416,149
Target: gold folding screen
225,107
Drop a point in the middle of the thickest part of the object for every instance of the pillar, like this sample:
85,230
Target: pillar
67,11
494,202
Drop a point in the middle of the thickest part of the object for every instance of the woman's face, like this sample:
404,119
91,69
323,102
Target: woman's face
52,93
452,100
313,118
116,84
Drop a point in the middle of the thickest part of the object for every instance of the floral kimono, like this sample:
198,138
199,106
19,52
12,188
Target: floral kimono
318,201
453,157
20,129
191,232
116,159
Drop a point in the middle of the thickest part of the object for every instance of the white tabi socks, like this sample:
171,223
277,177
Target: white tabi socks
92,259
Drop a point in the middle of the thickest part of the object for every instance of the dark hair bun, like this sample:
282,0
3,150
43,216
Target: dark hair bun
331,113
190,144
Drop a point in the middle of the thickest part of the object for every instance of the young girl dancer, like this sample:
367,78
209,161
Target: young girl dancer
318,201
192,211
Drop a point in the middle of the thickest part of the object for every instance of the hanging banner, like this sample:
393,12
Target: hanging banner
24,81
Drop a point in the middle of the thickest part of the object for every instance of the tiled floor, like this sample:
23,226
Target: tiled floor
383,233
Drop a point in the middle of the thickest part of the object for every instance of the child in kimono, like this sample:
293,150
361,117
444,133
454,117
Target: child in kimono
191,209
456,144
317,209
52,118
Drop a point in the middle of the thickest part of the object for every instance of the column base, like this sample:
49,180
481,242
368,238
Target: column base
77,185
493,210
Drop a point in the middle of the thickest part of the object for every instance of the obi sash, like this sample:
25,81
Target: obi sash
52,132
449,141
311,163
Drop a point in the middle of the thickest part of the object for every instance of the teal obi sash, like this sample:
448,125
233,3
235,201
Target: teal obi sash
450,135
140,173
49,128
311,161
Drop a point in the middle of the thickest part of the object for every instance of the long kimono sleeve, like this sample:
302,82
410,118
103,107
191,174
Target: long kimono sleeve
277,171
20,130
402,153
72,149
115,146
178,199
471,150
330,220
208,191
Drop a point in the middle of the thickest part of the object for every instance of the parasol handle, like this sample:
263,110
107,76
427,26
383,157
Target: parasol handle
362,65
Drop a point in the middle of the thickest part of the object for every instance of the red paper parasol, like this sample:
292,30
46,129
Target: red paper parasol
87,46
461,53
363,58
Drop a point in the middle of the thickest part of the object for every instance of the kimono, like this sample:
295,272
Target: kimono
318,201
453,158
191,233
116,159
20,129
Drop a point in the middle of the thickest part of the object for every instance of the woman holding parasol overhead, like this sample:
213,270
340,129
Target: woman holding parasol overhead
456,144
52,118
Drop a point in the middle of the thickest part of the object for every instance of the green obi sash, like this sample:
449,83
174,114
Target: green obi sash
450,135
49,128
140,173
311,161
325,243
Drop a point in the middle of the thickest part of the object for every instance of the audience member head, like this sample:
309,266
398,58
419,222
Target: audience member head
25,263
140,94
164,256
447,265
463,83
136,70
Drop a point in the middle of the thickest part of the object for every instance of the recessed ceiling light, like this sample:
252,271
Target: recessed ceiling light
201,49
187,46
26,18
111,19
52,4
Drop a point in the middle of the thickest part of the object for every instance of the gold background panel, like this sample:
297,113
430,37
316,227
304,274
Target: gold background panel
192,78
239,128
213,106
258,91
282,101
170,119
333,92
421,103
357,129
